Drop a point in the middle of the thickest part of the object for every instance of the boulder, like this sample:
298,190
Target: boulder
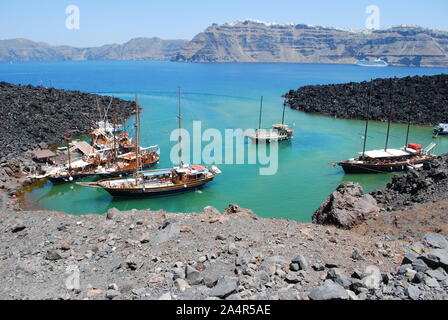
225,287
329,291
435,240
346,207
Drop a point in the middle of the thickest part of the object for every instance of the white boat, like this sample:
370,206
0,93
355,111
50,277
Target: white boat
441,129
374,63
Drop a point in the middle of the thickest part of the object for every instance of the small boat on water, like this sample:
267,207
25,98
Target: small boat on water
441,129
374,63
389,160
278,132
412,155
159,182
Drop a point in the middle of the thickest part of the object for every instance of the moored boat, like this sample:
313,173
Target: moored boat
441,129
412,155
390,160
158,182
278,132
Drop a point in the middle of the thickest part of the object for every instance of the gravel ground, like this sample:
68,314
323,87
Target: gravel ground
207,255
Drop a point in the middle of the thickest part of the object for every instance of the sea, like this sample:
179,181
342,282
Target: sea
221,97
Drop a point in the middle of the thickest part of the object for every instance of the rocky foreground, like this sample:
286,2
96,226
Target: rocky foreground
421,100
209,255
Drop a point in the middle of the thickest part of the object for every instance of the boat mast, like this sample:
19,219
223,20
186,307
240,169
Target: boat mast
259,120
283,116
137,138
179,116
409,118
390,114
367,118
115,131
68,149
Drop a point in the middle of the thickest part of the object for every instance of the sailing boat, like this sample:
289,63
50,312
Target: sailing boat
279,132
73,170
125,164
159,182
411,155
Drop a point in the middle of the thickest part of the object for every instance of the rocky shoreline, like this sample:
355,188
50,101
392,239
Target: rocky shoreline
421,99
35,117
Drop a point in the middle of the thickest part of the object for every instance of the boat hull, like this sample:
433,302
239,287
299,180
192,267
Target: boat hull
356,168
155,192
69,178
125,173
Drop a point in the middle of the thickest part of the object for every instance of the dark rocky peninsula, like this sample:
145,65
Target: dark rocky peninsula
422,100
32,115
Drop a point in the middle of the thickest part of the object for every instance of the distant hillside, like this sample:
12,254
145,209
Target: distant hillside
255,41
135,49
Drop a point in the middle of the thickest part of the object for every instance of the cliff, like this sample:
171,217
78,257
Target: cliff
254,41
135,49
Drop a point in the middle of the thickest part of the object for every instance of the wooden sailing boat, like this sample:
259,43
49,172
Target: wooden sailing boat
278,132
159,182
125,164
73,170
411,155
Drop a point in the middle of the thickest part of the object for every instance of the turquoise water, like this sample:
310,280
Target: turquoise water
226,96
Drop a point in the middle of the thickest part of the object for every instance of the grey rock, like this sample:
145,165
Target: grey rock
18,226
438,274
329,291
181,284
211,279
318,267
436,258
418,278
170,231
431,282
356,255
339,277
211,210
244,257
419,266
409,258
346,207
301,261
193,276
52,255
413,292
112,214
112,294
225,287
435,240
294,267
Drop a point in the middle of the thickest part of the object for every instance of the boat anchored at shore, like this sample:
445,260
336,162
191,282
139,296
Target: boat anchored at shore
441,129
412,155
159,182
279,132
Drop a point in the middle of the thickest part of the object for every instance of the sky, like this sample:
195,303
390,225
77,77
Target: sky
117,21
